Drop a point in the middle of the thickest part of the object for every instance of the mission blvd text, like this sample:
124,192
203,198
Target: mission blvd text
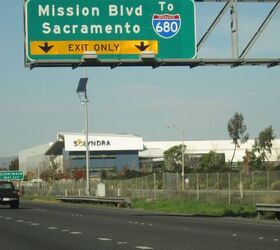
78,11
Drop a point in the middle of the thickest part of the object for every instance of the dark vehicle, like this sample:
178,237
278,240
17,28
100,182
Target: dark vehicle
9,195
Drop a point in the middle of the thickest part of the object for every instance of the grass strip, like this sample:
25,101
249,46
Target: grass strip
195,207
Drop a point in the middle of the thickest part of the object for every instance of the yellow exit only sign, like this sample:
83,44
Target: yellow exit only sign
100,47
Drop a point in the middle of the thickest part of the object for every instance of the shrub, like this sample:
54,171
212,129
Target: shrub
275,185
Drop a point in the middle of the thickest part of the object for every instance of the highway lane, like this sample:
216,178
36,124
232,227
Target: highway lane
65,226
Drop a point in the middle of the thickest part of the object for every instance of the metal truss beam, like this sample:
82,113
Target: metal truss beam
260,30
213,25
156,63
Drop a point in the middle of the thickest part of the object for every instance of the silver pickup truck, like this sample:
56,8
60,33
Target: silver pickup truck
9,195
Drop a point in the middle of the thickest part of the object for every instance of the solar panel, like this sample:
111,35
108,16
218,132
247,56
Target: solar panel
82,85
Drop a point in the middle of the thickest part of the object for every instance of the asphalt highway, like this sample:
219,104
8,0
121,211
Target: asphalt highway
42,226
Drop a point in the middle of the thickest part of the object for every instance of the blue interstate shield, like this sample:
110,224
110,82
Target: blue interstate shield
166,25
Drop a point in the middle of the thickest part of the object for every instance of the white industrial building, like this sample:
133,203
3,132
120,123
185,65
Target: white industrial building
118,151
155,149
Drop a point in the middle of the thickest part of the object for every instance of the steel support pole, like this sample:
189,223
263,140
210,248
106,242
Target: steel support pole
234,29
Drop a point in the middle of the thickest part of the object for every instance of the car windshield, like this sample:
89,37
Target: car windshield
6,185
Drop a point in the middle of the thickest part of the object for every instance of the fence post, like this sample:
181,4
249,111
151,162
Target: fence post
155,186
163,185
177,181
253,186
197,187
207,187
229,189
218,186
189,186
136,186
241,186
267,178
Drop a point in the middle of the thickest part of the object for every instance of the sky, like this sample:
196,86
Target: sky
37,104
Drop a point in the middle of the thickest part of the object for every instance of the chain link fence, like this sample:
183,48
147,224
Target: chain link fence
231,188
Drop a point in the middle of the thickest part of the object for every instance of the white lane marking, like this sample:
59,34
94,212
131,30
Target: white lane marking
275,240
150,224
20,221
65,230
143,247
52,228
41,210
122,242
104,239
8,218
246,223
142,223
76,233
128,222
234,235
136,222
34,224
260,238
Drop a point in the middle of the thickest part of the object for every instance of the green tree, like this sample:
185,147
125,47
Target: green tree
251,161
263,144
212,162
51,172
104,174
14,164
173,158
237,131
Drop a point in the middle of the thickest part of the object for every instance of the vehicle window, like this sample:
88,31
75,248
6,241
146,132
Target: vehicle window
6,185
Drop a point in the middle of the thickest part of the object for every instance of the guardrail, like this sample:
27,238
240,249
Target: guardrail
260,208
118,201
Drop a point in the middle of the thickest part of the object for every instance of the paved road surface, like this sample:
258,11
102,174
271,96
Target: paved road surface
41,226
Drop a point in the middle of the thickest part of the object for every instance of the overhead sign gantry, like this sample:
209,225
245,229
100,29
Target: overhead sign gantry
74,33
121,30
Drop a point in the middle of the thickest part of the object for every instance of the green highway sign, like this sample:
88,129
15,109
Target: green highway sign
11,175
113,29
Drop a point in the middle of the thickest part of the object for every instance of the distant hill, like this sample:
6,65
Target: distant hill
5,161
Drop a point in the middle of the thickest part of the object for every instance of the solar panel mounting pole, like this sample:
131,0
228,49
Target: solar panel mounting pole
82,92
87,146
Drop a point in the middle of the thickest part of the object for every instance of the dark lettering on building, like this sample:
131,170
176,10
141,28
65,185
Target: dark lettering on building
97,143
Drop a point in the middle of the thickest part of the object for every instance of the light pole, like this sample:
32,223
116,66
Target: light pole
183,155
82,92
